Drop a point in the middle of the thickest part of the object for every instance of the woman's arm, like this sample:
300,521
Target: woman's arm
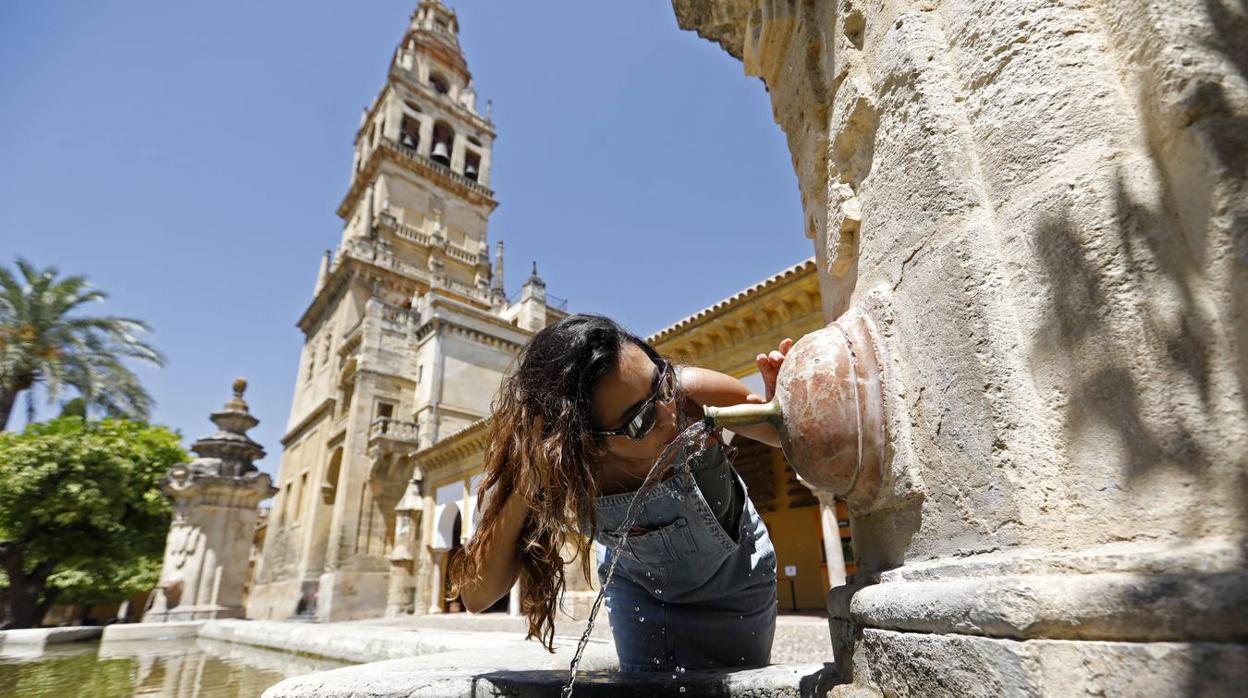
707,387
501,563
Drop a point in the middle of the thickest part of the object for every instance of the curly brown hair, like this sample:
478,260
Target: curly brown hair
542,447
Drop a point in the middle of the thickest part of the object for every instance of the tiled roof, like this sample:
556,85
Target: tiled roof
801,268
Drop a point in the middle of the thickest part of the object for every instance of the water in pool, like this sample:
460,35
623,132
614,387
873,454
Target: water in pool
195,668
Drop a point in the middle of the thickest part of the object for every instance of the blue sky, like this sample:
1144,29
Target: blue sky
188,158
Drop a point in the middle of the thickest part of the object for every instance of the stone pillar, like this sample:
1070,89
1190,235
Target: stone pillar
394,118
1040,209
513,599
458,148
214,515
435,582
426,136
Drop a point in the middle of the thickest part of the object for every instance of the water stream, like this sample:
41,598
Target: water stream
695,436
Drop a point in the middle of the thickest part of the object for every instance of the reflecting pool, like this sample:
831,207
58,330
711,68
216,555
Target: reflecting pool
194,668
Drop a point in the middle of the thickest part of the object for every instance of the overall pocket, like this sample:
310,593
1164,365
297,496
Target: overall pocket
662,546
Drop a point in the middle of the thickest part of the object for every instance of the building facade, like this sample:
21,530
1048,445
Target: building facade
407,336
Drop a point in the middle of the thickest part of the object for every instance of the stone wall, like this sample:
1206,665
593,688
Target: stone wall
1041,205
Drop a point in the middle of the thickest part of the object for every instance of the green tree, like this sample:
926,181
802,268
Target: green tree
80,510
43,340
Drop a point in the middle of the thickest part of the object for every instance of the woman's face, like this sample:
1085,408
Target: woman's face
616,399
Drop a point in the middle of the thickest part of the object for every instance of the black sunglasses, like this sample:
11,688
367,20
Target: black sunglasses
643,420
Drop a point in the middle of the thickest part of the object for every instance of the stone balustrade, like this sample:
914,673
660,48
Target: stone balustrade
393,430
420,237
367,251
433,166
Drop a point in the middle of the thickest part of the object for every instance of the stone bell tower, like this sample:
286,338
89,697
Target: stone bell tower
407,337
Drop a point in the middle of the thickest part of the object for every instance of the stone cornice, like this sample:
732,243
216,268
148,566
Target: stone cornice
302,425
454,305
454,448
348,264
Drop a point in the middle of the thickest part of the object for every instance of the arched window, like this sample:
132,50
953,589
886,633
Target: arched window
443,143
329,485
472,165
439,83
409,133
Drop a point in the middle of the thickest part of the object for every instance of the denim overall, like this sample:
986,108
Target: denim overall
684,594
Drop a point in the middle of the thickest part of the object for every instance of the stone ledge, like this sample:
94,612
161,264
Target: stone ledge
441,679
130,632
38,637
923,664
358,643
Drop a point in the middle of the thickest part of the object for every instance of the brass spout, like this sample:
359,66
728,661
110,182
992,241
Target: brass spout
742,415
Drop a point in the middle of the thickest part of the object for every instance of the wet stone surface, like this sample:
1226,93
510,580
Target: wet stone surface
790,680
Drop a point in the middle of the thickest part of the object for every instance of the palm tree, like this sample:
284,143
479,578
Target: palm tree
42,341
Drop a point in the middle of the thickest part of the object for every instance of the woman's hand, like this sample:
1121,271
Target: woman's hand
769,367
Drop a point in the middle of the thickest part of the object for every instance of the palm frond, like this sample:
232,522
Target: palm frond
44,341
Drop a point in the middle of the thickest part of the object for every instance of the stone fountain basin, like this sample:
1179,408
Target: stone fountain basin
461,674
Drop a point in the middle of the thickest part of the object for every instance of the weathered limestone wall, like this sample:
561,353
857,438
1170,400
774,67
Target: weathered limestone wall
1041,204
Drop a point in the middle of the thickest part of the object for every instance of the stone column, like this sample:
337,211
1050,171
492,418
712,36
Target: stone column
426,136
458,148
214,514
394,117
1032,220
435,582
513,599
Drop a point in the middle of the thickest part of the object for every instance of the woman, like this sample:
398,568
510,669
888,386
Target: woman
576,429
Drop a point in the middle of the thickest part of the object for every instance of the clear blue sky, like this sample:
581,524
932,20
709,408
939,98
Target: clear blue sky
188,158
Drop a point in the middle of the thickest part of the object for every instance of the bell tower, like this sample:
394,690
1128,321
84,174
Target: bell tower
421,169
407,338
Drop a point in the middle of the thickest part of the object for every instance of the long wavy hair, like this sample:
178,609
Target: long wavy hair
542,448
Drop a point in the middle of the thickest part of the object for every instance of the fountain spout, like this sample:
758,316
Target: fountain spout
742,415
829,409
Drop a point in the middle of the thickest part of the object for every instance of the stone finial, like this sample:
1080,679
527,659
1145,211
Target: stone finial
534,279
238,404
229,452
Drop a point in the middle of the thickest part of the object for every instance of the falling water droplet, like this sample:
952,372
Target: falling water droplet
658,591
680,670
682,689
636,608
641,619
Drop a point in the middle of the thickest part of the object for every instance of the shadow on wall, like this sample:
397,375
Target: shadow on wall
1188,291
1230,146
